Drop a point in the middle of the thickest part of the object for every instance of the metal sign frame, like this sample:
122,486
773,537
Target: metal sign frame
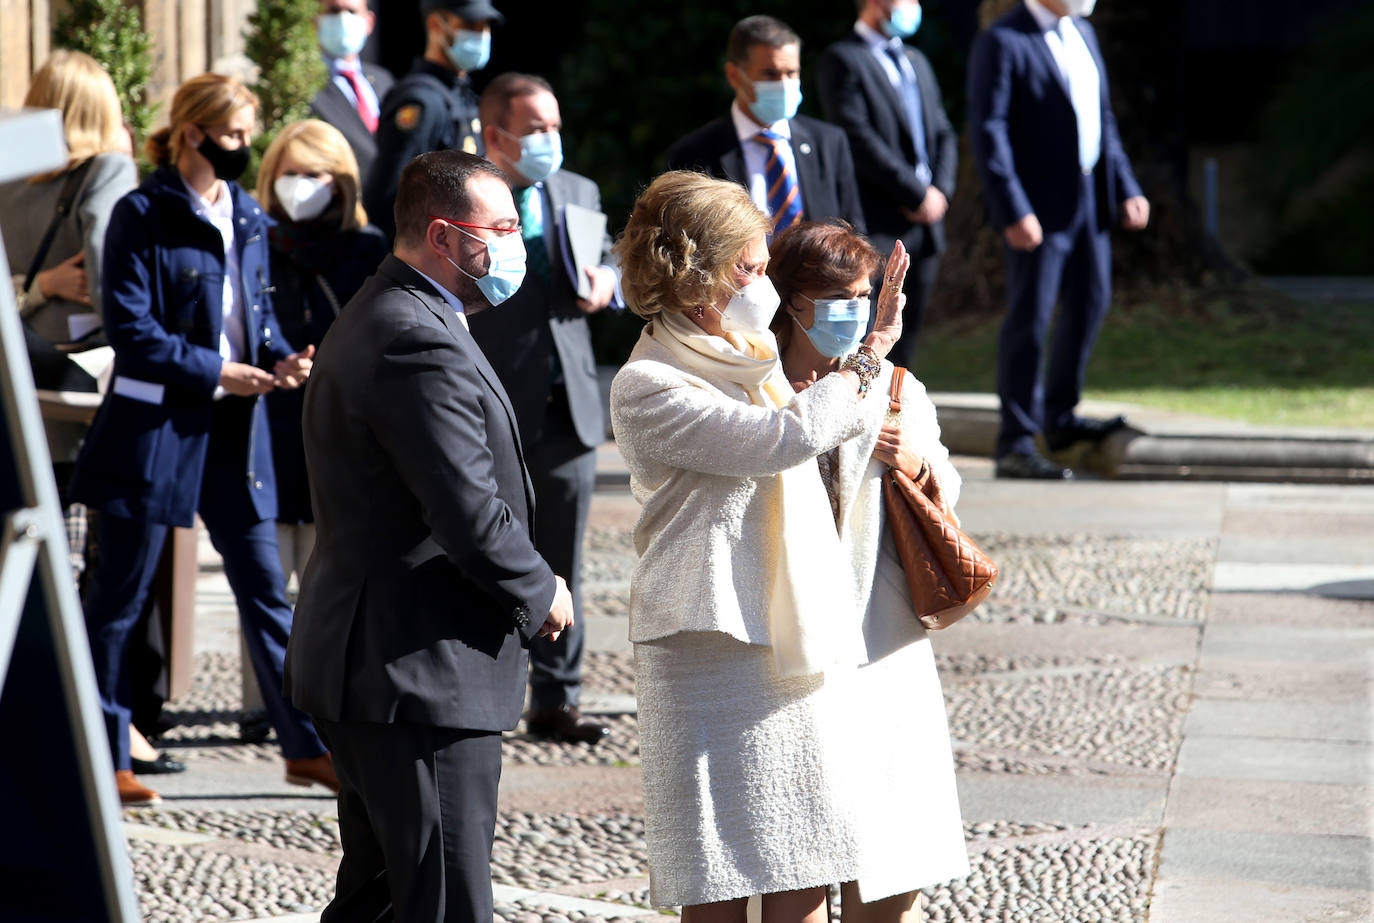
35,543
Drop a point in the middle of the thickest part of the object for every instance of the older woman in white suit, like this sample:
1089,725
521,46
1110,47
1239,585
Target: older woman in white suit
741,606
909,823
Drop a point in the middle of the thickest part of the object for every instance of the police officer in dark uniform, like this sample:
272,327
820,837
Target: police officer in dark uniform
433,107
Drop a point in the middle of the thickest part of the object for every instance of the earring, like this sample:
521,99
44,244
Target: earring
699,311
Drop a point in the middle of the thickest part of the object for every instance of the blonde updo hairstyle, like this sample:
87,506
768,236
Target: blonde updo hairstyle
683,240
205,100
92,120
320,148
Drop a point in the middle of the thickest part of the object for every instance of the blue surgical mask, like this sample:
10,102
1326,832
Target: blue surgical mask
775,100
506,272
903,21
839,326
469,51
342,35
541,154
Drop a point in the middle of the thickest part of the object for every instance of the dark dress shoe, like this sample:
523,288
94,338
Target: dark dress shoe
565,724
1031,465
254,728
1082,430
161,766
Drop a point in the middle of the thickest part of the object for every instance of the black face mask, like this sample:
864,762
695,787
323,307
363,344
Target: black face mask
227,164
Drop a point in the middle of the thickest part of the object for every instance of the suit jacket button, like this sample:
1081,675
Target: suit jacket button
258,484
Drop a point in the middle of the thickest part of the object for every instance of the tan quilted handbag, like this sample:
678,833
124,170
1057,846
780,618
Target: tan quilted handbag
947,573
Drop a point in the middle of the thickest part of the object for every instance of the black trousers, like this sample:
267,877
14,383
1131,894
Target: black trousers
563,471
417,814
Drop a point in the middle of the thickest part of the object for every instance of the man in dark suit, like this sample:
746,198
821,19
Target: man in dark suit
541,348
433,107
425,586
883,93
1055,178
351,100
763,66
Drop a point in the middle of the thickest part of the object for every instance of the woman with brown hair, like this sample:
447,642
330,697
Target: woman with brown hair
906,810
181,431
741,621
323,248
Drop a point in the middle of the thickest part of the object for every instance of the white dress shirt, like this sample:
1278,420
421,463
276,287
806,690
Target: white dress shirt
337,66
756,154
453,300
233,335
1079,71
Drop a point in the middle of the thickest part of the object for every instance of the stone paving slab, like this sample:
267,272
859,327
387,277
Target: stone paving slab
1033,508
1266,759
1268,719
1267,680
1249,609
1292,859
1350,581
1248,806
1188,899
1288,643
1301,549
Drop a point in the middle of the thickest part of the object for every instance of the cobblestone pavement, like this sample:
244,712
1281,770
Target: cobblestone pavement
1043,712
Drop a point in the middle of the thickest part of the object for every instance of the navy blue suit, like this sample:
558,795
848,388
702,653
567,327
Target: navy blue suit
161,449
1025,142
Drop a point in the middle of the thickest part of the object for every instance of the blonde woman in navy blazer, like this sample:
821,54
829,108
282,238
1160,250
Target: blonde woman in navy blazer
183,430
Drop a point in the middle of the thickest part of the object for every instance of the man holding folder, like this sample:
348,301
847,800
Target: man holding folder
541,348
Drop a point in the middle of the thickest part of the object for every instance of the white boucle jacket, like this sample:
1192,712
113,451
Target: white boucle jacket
880,589
703,463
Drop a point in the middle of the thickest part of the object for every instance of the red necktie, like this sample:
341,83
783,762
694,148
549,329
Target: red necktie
364,112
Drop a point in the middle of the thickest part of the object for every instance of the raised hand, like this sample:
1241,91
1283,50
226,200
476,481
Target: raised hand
887,326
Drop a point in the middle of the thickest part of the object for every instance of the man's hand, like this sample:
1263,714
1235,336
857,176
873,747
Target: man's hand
560,614
933,207
245,380
1025,234
292,371
66,280
603,289
1135,213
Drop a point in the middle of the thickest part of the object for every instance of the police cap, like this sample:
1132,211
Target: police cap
470,10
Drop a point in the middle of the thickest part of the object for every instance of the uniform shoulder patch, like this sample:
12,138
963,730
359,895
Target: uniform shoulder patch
408,116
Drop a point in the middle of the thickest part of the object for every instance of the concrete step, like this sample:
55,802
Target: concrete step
1161,445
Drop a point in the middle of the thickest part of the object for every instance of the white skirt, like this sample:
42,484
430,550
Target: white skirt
756,783
743,780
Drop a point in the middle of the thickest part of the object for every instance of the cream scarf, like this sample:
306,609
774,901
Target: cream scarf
812,622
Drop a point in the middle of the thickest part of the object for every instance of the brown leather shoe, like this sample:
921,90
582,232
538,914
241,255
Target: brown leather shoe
565,724
318,770
133,793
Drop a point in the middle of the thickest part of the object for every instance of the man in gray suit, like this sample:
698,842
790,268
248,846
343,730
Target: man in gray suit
541,347
409,640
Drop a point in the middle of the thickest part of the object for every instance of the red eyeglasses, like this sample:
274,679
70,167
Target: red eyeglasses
475,227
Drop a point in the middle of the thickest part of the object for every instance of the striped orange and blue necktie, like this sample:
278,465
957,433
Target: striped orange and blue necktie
784,195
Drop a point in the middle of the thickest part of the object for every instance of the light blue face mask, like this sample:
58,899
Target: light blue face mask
506,272
470,51
839,326
903,21
541,154
342,35
775,100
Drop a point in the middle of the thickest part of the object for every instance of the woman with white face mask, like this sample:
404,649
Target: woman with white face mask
741,610
894,705
322,249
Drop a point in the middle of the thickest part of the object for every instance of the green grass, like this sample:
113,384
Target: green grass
1238,357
